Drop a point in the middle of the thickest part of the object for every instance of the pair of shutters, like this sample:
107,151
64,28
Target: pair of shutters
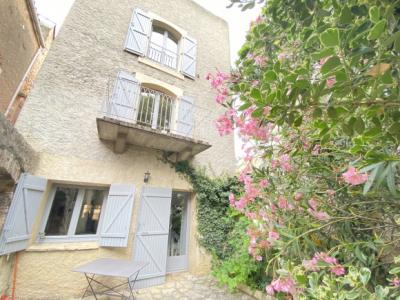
151,241
138,38
124,102
17,229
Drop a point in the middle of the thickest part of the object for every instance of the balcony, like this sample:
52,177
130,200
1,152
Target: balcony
136,115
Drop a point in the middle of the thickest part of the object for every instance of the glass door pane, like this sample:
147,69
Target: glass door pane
178,224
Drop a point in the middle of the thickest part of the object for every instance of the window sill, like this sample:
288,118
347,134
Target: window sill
47,247
157,66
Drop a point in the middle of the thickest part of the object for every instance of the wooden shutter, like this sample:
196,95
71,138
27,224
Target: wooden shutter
151,242
189,57
17,229
117,216
124,98
137,39
185,122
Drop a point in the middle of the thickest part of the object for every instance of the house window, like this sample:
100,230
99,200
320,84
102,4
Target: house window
74,212
155,109
163,47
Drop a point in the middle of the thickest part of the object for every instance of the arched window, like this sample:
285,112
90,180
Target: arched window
163,46
155,109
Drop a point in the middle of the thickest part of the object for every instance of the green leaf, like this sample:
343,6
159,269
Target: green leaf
317,113
381,292
354,294
359,125
374,14
390,179
395,271
377,30
246,105
330,37
270,76
361,256
346,16
365,275
323,53
330,64
332,112
255,94
371,178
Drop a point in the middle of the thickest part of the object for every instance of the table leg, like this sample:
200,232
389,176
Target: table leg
89,280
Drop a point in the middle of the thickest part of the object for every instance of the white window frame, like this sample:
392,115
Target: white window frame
71,237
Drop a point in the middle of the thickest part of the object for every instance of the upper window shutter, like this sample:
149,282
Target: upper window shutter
117,216
185,122
189,54
122,104
137,39
17,229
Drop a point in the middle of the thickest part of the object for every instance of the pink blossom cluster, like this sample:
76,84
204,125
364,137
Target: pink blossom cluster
283,284
354,177
395,281
224,125
217,81
334,266
284,162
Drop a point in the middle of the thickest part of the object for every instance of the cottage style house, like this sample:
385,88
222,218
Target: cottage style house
122,87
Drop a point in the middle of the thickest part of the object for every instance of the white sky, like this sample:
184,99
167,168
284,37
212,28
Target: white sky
57,10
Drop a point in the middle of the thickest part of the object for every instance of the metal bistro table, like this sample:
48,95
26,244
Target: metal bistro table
111,268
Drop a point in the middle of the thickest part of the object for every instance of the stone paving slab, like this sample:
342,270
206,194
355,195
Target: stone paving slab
185,286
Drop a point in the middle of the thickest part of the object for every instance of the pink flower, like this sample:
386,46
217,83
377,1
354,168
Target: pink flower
319,215
273,235
266,110
298,196
285,285
338,270
282,56
325,257
330,82
283,203
260,60
254,83
220,98
311,265
259,258
353,177
270,290
264,183
284,161
232,199
224,125
395,281
313,203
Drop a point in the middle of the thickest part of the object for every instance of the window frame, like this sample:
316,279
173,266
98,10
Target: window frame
166,34
71,236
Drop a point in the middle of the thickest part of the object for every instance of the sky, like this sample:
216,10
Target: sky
55,11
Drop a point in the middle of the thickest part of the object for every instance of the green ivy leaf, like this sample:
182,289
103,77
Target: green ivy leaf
330,37
374,14
359,125
255,94
346,16
270,76
377,30
330,64
365,275
323,53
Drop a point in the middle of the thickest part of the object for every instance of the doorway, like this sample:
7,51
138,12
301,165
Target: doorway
178,238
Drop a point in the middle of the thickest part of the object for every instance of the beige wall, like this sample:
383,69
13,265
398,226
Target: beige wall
59,121
18,47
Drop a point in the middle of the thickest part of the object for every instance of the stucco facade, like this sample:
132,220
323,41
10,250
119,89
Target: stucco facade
59,122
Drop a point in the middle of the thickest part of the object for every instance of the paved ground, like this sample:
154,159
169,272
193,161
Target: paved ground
189,287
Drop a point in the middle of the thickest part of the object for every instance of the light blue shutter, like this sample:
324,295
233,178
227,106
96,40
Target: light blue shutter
117,216
137,39
185,122
151,242
17,229
189,57
122,104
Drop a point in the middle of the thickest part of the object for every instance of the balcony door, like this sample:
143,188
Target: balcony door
178,238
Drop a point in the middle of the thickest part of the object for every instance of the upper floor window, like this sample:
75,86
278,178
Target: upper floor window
161,42
163,47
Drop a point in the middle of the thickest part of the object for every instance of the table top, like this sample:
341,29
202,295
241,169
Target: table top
111,267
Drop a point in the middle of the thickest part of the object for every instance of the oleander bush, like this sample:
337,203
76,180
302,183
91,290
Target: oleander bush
315,98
